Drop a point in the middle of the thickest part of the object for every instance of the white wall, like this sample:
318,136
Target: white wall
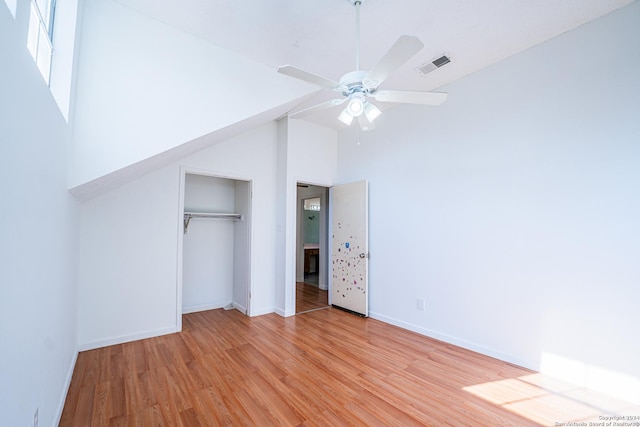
38,238
306,153
144,88
208,245
513,208
242,247
129,243
127,272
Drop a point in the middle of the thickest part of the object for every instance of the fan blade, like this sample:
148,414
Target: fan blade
411,97
318,107
307,77
401,51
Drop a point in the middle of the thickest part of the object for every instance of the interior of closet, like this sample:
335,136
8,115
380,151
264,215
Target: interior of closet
216,243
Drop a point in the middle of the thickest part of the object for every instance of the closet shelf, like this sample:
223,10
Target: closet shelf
188,216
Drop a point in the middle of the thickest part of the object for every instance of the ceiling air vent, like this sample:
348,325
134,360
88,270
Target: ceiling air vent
436,63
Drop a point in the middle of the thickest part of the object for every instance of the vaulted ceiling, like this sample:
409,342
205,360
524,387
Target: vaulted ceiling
215,63
319,36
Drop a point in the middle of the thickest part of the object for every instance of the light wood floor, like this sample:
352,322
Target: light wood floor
310,297
321,368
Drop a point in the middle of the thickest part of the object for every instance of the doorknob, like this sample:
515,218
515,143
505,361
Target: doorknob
363,255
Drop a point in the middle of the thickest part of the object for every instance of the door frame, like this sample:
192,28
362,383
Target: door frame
184,170
323,266
323,194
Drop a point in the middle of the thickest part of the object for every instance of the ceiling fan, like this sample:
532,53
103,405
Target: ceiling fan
358,87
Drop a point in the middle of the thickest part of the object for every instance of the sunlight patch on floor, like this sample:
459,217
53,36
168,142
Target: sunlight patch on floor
552,402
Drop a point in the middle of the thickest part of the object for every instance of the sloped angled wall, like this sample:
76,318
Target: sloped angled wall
144,88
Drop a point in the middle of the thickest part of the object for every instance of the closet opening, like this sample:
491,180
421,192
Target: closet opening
311,248
215,240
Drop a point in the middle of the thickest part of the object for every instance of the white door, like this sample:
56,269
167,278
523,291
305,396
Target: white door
350,247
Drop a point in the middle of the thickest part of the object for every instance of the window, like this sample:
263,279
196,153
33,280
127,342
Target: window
40,36
12,4
312,204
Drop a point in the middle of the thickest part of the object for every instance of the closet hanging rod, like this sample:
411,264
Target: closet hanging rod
212,215
188,216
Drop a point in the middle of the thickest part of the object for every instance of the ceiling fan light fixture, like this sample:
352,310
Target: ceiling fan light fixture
371,112
365,125
356,105
345,117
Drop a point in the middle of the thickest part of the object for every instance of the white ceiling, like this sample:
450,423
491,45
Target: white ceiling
319,35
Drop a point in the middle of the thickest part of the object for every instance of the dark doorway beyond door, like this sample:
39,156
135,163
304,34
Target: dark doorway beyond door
310,297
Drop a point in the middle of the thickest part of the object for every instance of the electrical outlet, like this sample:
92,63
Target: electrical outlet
35,418
421,304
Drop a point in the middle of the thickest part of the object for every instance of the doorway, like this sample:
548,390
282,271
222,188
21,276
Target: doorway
311,248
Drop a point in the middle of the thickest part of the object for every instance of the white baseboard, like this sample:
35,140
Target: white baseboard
457,341
279,312
242,309
204,307
239,307
126,338
67,384
263,311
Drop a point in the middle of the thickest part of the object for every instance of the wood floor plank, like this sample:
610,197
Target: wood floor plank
117,397
190,418
181,385
386,413
310,297
101,413
84,407
164,396
133,394
321,368
278,405
210,409
258,414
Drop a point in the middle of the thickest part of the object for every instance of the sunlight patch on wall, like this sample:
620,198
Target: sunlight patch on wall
616,384
549,401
